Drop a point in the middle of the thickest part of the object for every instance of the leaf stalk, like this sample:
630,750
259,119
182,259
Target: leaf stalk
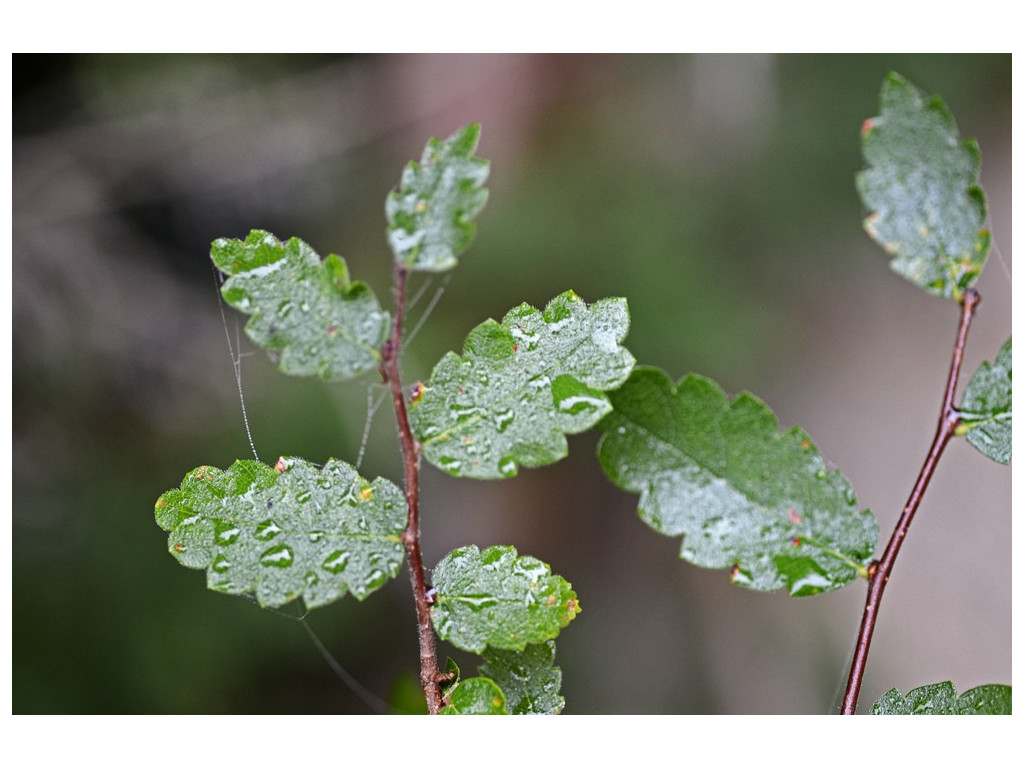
881,569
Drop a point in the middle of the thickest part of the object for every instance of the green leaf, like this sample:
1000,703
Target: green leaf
528,678
941,699
987,411
521,386
742,495
494,599
475,696
921,188
321,322
286,531
430,214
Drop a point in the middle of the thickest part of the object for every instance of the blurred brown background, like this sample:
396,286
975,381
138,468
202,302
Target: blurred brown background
715,192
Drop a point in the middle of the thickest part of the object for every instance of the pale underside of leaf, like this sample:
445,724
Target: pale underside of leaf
495,599
307,310
521,386
430,214
288,531
942,699
741,494
921,188
987,409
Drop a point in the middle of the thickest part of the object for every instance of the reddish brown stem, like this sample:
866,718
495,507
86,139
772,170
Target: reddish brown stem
430,673
878,573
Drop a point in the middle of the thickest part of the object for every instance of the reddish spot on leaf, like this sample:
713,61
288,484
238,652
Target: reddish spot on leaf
867,126
734,571
366,493
179,547
794,518
551,600
417,392
281,465
515,346
795,541
332,331
805,444
573,606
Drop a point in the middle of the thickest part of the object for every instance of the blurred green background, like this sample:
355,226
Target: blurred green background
715,192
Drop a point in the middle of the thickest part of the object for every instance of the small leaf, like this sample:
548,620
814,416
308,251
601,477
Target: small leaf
987,411
494,599
475,696
323,323
921,187
430,214
742,495
286,531
528,678
941,699
521,386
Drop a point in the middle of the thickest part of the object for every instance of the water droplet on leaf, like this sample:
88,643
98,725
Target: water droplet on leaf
336,562
267,530
280,556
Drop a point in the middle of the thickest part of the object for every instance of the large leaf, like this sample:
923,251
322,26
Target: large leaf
521,386
494,599
920,186
941,699
286,531
743,495
475,696
528,678
987,411
321,322
430,214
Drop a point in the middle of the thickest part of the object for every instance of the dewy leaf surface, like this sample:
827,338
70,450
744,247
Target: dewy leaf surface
286,531
987,410
926,208
475,696
521,386
309,310
941,699
741,494
494,599
528,678
430,214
